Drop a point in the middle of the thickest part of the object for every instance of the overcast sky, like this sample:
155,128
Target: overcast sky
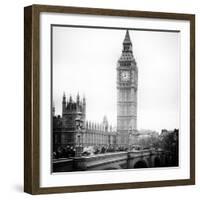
84,61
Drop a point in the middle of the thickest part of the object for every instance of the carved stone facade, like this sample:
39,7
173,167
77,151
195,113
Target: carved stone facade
127,84
72,129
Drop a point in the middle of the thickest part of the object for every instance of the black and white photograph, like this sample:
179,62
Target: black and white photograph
115,98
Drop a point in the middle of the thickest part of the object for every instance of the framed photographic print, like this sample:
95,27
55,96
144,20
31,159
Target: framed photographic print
109,99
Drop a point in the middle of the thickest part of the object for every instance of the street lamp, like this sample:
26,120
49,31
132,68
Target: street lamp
129,138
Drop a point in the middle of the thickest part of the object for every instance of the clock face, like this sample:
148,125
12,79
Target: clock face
125,76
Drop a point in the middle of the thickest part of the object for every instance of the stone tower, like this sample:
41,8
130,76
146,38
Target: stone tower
105,123
127,84
73,119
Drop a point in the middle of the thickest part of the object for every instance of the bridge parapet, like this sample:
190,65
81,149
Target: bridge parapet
138,153
101,161
116,160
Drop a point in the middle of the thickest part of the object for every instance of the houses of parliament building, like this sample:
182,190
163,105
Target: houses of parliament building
72,129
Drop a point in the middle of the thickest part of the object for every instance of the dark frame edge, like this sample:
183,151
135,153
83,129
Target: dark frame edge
192,99
31,100
27,99
114,186
111,12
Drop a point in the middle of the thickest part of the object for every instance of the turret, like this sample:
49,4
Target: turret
53,110
78,99
105,123
84,106
84,101
63,103
70,99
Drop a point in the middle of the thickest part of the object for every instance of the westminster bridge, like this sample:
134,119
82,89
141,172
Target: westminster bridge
117,160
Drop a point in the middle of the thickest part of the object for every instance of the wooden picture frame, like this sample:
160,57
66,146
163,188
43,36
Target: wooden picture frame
32,98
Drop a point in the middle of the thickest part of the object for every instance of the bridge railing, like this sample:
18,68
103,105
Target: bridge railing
106,159
86,162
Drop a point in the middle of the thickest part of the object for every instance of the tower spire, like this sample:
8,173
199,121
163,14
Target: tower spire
127,44
64,97
105,123
78,98
84,101
127,39
127,53
70,98
53,110
63,103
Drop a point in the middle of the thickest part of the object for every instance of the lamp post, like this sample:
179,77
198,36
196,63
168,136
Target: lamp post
79,125
129,138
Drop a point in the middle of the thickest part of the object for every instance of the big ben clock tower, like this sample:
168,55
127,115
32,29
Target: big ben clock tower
127,83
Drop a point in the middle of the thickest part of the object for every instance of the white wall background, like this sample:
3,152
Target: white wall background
11,100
